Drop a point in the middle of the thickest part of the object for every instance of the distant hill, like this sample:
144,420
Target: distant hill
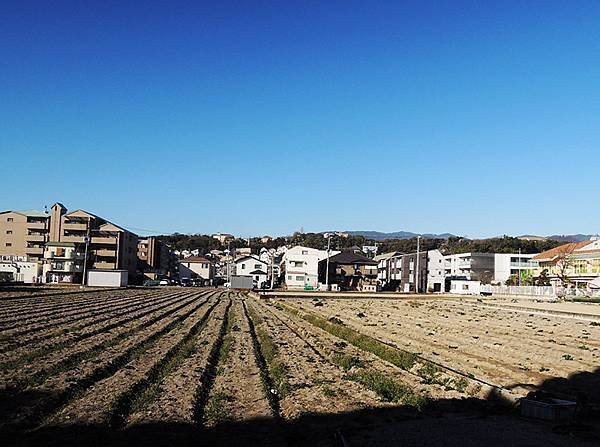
558,237
379,236
570,237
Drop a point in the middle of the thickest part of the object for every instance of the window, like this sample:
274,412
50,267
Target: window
9,219
243,266
304,252
8,231
299,278
257,266
465,287
289,277
8,244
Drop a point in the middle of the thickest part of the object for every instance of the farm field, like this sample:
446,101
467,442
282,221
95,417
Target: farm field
180,366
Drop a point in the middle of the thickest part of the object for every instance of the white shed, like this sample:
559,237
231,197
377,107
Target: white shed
107,278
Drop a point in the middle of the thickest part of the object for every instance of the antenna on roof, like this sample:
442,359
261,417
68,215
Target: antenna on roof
45,209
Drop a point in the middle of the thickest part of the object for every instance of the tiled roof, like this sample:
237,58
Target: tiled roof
561,249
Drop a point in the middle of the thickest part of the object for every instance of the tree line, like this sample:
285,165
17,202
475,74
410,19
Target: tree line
506,244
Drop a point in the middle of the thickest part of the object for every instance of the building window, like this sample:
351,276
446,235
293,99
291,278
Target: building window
9,219
289,277
465,287
299,278
243,266
304,252
257,266
8,244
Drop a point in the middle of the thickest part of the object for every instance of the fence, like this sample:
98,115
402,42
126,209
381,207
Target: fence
549,292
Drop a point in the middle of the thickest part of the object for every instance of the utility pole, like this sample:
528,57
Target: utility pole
519,267
417,272
327,268
87,242
272,270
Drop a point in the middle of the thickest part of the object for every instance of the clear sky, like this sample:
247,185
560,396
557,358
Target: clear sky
478,118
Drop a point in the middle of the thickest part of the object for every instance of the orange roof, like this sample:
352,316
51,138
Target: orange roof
562,249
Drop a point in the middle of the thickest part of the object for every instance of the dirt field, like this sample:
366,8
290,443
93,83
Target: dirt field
180,366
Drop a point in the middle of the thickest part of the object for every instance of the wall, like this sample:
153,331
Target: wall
107,278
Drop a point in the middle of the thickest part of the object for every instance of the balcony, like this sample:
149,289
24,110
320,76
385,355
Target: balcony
36,238
104,265
37,225
75,226
105,252
73,238
524,265
104,240
34,250
66,267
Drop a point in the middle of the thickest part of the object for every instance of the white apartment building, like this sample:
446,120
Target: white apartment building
301,266
508,264
63,262
470,266
436,276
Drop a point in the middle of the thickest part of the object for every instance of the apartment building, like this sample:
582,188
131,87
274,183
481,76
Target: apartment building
63,262
155,258
436,276
24,234
511,264
383,266
300,266
576,263
413,274
470,266
223,238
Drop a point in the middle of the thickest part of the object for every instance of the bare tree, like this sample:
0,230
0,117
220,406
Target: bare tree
564,262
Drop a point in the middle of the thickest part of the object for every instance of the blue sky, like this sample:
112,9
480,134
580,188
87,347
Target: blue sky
477,118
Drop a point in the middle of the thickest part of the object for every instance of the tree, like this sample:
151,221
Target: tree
543,279
564,263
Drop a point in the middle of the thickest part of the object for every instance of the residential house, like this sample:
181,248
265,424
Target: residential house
349,270
197,267
254,267
577,263
300,266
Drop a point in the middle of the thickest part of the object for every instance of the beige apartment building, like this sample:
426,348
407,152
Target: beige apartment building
156,260
23,234
110,246
58,239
